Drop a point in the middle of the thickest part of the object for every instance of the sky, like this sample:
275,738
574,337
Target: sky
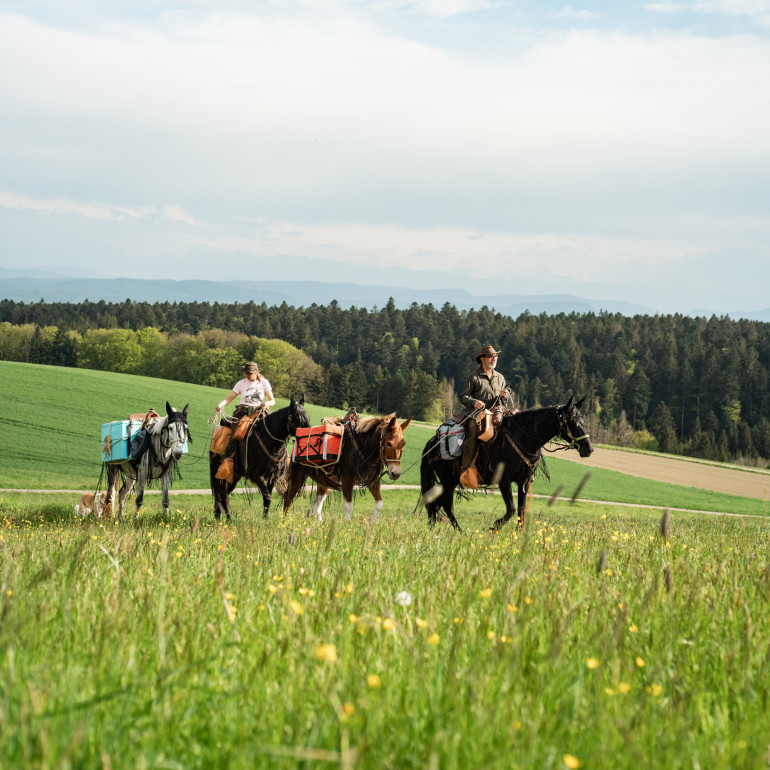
610,150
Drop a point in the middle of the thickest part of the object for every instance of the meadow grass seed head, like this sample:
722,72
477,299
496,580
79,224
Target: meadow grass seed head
665,522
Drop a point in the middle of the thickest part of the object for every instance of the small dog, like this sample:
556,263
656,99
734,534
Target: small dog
88,504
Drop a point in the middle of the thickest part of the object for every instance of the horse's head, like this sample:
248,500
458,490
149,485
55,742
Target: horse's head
176,430
572,428
392,444
297,415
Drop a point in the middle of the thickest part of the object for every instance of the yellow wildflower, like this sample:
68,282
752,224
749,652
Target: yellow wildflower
640,662
327,652
373,681
348,709
593,663
388,624
434,639
571,761
296,607
420,623
624,687
485,593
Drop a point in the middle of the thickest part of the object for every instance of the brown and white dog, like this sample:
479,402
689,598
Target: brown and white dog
88,504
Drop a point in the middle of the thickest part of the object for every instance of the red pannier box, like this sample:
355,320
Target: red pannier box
319,445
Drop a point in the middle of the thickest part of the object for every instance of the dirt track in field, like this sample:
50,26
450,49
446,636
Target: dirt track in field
746,483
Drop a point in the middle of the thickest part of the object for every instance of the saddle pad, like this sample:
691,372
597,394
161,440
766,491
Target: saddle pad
319,445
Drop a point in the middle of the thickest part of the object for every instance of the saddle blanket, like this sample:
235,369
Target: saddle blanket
319,445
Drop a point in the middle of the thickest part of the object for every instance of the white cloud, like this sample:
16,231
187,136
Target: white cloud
569,12
13,200
348,140
756,10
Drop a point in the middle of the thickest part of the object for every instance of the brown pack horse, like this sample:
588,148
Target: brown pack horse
368,447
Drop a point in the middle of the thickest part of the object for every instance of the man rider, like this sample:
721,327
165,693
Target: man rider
482,388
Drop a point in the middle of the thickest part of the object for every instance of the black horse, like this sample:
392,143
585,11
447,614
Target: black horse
262,456
511,457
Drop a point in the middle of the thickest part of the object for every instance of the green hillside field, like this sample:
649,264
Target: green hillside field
50,437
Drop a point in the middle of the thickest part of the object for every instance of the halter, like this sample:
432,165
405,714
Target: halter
564,427
176,417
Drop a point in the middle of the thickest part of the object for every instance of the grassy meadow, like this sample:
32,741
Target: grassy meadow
590,639
597,636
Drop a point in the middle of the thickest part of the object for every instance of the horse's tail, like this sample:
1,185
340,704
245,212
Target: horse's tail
295,480
428,476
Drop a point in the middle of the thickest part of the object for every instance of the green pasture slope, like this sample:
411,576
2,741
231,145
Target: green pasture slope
595,637
50,437
590,639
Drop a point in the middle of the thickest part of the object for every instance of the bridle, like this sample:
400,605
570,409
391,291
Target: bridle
570,441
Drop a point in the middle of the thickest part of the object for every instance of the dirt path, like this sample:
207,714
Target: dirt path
686,473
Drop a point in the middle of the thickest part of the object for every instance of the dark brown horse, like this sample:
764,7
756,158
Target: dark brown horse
511,457
368,447
263,459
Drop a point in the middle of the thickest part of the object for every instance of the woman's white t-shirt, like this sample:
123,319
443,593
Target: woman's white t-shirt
252,393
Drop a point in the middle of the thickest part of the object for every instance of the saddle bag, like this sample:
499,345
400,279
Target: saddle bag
318,446
226,470
486,426
220,440
451,436
244,425
138,446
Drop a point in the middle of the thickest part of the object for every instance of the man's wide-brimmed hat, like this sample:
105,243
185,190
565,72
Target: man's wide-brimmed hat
486,351
249,368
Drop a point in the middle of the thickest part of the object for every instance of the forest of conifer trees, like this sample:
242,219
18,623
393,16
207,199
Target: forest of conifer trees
697,386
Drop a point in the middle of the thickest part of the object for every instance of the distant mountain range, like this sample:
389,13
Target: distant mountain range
16,285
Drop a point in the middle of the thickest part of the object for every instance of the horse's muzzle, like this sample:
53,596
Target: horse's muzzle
585,448
394,469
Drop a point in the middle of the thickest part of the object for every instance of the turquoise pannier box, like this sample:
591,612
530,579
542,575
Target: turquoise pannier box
116,439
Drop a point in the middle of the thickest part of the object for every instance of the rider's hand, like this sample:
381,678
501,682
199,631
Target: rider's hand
479,404
503,394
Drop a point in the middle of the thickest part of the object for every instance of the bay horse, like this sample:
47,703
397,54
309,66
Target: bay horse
264,460
368,446
511,457
165,440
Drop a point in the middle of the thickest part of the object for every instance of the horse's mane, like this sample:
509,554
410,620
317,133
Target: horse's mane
369,424
530,415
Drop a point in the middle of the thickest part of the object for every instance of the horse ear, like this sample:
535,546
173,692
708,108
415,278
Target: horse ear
302,400
392,421
568,405
580,403
169,410
404,424
184,411
292,401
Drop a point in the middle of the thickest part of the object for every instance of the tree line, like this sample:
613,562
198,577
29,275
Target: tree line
698,386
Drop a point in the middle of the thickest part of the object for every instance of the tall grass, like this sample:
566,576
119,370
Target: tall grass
589,639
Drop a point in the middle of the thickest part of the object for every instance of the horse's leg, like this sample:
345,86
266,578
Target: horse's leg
347,496
125,490
165,483
449,482
318,501
510,507
378,502
523,492
112,483
267,494
218,487
141,481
